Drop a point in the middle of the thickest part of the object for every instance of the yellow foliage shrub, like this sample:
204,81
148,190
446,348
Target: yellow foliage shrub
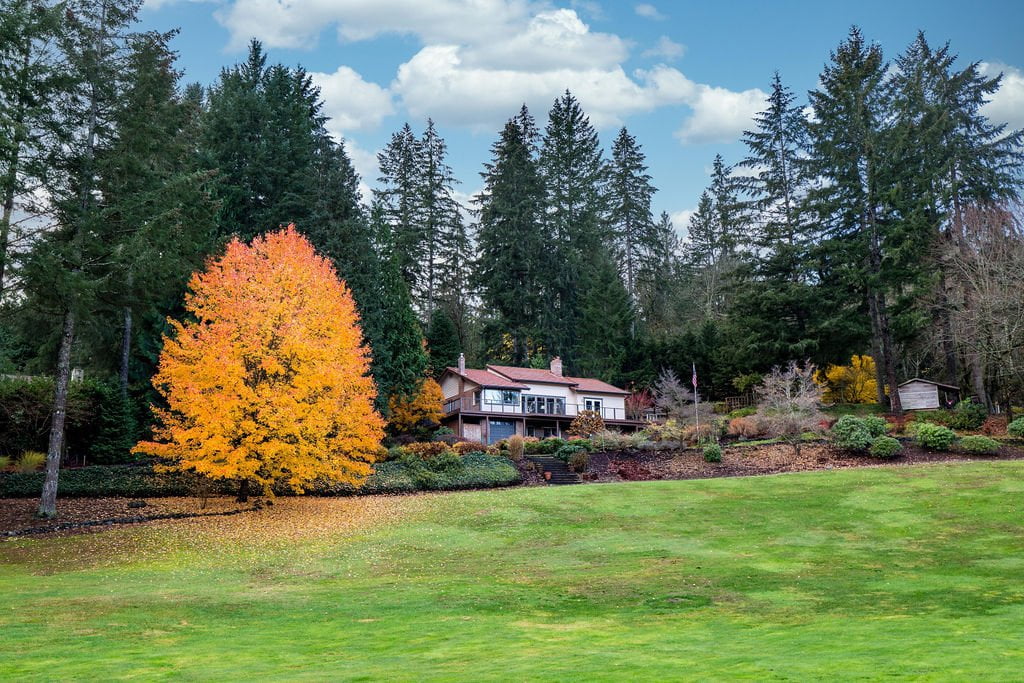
853,383
408,412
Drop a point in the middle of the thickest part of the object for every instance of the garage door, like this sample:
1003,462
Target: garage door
500,429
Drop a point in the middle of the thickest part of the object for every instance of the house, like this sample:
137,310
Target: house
494,403
924,394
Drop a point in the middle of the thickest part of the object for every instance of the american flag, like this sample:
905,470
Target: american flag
694,375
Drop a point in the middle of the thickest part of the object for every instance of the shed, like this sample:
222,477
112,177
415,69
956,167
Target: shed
924,394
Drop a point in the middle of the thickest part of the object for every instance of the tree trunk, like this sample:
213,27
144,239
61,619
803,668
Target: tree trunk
946,327
977,371
889,355
876,349
12,167
48,502
126,346
243,492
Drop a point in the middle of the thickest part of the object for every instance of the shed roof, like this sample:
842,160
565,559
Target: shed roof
928,381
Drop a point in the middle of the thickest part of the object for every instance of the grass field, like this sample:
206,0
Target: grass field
882,572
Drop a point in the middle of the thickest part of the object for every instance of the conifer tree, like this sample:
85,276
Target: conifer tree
510,270
400,200
629,194
605,321
660,281
575,178
443,342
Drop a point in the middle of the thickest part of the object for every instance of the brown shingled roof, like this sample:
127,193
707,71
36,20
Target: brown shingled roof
596,386
486,379
542,375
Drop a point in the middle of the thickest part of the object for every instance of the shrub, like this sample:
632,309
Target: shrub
713,453
994,425
851,433
789,403
543,446
885,447
394,453
742,412
670,430
566,452
30,461
876,426
5,462
467,447
427,449
1016,428
720,407
939,417
515,447
933,437
967,415
587,422
745,427
579,461
694,434
982,445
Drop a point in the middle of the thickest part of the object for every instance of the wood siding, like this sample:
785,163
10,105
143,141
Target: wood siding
919,396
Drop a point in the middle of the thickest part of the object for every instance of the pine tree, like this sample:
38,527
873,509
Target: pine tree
443,342
446,245
261,132
630,192
575,219
606,320
30,79
64,266
848,137
510,268
660,281
400,200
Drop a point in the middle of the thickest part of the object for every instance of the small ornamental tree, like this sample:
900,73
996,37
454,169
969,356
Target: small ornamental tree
266,382
422,411
671,396
853,383
789,403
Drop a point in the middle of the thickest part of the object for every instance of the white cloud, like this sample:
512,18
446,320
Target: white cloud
649,11
1007,103
351,102
720,115
666,48
298,23
365,163
681,219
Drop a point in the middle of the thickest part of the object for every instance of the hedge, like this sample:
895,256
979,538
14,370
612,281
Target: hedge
476,470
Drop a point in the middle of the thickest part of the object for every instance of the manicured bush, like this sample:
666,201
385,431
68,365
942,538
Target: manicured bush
406,475
1016,428
427,449
713,452
885,447
939,417
745,427
933,437
543,446
967,415
566,452
851,433
876,426
981,445
467,447
742,412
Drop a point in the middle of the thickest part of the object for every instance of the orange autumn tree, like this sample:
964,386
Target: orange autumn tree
407,413
267,381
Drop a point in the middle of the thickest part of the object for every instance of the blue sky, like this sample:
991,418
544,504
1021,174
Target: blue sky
683,77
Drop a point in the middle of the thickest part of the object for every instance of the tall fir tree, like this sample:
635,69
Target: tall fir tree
629,193
400,201
443,343
575,178
510,268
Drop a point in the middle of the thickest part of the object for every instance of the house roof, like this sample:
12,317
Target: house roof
486,379
596,386
541,375
928,381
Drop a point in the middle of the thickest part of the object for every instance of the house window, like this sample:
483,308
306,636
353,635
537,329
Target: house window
592,404
501,397
544,405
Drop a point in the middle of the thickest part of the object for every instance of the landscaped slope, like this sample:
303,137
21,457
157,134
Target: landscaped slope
909,571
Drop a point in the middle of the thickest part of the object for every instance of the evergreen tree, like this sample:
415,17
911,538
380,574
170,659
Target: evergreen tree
446,244
575,219
400,200
261,132
510,271
630,192
849,138
443,342
606,320
30,78
660,282
67,268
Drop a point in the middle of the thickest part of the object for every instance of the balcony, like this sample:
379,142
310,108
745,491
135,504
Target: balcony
468,405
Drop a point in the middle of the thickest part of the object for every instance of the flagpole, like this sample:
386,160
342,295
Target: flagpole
696,400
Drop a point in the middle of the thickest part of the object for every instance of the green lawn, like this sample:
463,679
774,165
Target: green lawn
880,572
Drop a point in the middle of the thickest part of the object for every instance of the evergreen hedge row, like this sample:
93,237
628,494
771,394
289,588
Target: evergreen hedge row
476,470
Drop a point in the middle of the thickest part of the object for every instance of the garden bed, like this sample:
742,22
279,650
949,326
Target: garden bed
739,461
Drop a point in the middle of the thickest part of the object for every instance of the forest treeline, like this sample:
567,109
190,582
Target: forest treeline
877,215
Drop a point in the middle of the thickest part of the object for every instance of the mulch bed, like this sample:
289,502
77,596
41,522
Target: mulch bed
18,515
754,460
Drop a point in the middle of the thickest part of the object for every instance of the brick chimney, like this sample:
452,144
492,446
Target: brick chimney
462,363
556,366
